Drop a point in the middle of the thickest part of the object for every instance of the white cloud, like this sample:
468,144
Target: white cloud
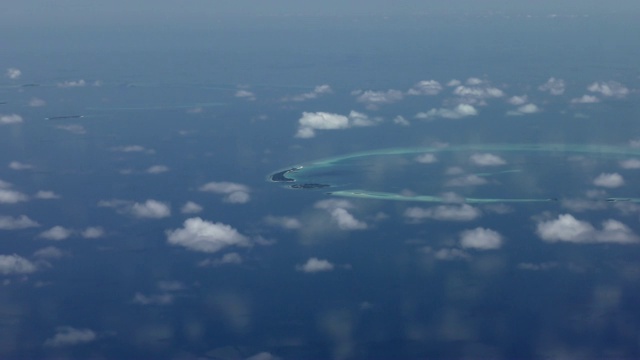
474,81
635,143
309,122
373,99
13,73
205,236
36,102
49,252
579,205
190,208
245,94
338,211
171,285
46,195
157,169
537,267
67,336
467,180
316,92
400,120
426,158
524,110
15,264
263,356
585,99
72,83
73,128
133,148
458,112
236,193
5,184
453,83
56,233
553,86
314,265
518,100
463,212
609,89
285,222
486,160
11,196
150,209
568,228
609,180
477,93
446,254
93,232
16,223
425,87
16,165
480,239
158,299
346,221
630,164
10,119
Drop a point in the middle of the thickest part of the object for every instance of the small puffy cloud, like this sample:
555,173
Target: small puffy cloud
72,83
73,128
16,223
467,180
458,112
150,209
585,99
92,232
314,265
36,102
400,120
477,93
16,165
609,180
454,83
316,92
373,99
190,208
630,164
464,212
339,213
15,264
427,158
13,73
518,100
263,356
537,267
56,233
474,81
46,195
486,160
425,87
446,254
524,110
133,149
8,196
285,222
205,236
49,252
10,119
68,336
311,121
346,221
245,94
171,286
157,169
609,89
158,299
480,239
553,86
569,229
235,193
